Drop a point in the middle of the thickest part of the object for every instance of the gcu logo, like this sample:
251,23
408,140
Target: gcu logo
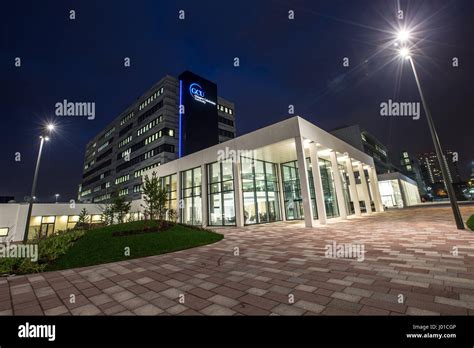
196,90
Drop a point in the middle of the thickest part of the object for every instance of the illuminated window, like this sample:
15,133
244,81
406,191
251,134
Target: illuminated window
122,179
4,231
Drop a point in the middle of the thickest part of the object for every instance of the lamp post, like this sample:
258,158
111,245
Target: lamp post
405,53
56,196
49,128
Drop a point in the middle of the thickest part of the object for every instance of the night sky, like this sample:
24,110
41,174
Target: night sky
282,62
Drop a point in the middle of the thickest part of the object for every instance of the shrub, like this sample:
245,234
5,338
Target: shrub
470,223
49,249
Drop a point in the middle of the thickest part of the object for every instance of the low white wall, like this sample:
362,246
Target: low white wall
13,215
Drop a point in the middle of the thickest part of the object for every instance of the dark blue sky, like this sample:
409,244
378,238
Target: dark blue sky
282,62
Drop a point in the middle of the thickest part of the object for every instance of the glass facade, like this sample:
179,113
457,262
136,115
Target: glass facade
191,210
292,190
327,179
170,182
220,190
345,189
260,191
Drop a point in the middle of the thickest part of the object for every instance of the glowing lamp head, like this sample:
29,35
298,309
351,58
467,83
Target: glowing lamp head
50,127
405,52
46,138
403,35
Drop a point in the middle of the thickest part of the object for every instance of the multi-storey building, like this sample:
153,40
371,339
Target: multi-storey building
431,171
154,130
368,143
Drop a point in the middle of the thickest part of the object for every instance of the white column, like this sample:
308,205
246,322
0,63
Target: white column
365,188
375,190
353,187
338,185
280,188
204,205
238,199
303,172
318,185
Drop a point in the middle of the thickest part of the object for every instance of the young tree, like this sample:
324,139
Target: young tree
108,214
155,197
120,207
83,221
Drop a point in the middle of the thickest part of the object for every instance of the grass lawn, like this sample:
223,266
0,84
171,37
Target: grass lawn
98,246
470,223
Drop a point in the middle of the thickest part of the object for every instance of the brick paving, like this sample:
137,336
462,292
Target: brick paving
281,269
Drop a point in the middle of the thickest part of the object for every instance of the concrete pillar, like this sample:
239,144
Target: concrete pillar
375,190
353,187
379,197
365,188
280,188
402,193
238,194
318,185
338,185
204,204
303,172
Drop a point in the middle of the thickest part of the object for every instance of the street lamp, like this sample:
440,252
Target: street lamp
404,52
49,128
56,196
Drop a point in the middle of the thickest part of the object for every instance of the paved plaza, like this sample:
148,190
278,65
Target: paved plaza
415,263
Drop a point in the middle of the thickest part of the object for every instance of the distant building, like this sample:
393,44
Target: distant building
411,168
398,190
368,143
431,171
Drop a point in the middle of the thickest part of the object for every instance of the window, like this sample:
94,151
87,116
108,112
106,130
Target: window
123,192
102,198
159,134
72,221
122,179
226,121
151,98
150,125
327,180
103,146
157,150
191,211
151,111
125,130
260,191
292,190
170,183
109,132
126,118
226,133
124,153
137,188
104,155
139,172
220,188
124,141
4,231
86,192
